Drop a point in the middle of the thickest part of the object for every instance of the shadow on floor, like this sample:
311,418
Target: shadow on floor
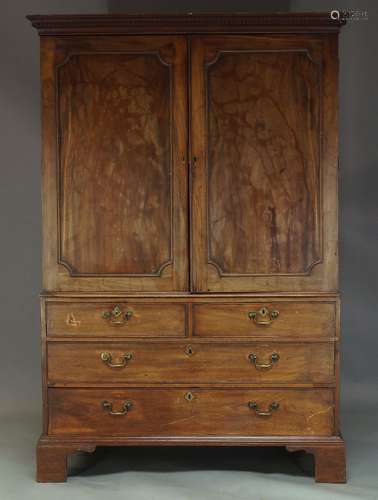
268,460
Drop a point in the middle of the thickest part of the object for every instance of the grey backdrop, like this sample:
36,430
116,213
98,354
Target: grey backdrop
20,223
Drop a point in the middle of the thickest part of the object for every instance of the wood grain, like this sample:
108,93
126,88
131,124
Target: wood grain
296,319
52,460
85,319
164,154
265,179
263,111
192,22
330,466
119,106
78,363
166,412
115,163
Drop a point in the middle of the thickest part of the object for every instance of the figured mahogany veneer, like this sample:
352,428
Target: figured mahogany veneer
190,234
80,363
100,98
264,188
146,320
172,412
264,129
302,319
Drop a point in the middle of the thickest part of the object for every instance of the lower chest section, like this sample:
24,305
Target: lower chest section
185,368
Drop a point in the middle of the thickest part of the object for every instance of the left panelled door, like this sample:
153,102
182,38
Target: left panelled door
115,163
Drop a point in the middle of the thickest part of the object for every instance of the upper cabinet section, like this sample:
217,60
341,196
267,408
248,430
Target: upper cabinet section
116,138
264,184
189,152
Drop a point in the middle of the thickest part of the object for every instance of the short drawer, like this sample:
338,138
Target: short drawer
124,319
191,412
294,319
132,362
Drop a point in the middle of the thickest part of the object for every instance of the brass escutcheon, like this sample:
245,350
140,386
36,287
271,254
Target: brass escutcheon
263,316
189,396
116,316
189,351
254,406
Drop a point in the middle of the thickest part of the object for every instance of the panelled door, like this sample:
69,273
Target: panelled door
265,163
115,166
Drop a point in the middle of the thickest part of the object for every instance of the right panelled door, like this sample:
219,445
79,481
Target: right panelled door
264,170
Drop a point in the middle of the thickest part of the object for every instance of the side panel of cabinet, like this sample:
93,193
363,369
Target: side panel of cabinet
114,163
264,183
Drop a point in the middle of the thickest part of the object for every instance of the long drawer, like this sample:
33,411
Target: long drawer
124,319
268,318
190,412
175,362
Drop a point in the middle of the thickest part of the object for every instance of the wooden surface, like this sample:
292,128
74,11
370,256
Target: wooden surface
86,319
115,165
165,412
265,178
190,180
52,460
286,22
330,466
115,130
296,319
77,363
263,111
328,452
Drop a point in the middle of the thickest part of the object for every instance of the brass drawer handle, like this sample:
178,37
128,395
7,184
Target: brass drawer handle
254,406
107,359
263,316
264,366
126,407
116,316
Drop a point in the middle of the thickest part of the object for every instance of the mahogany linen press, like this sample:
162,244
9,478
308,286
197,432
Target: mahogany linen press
190,234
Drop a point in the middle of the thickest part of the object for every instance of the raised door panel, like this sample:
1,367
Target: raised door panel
264,176
114,130
120,196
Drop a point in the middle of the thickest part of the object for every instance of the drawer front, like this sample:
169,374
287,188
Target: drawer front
294,319
125,319
127,362
191,412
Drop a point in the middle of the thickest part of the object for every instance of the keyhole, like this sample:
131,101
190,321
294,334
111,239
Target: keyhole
263,311
189,350
189,396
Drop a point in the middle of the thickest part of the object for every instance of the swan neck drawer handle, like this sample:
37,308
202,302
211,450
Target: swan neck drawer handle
274,358
263,317
108,359
116,316
126,407
272,407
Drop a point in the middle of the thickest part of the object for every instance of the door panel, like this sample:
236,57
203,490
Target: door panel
263,177
121,191
114,123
